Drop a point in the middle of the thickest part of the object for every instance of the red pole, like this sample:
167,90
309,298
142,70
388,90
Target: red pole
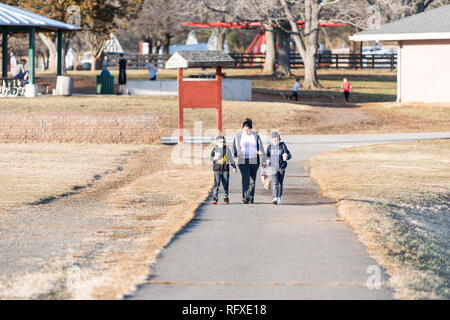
219,101
180,106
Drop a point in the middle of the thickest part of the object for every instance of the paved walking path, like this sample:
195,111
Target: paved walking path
295,251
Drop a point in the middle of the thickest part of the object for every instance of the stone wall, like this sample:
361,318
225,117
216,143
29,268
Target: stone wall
101,127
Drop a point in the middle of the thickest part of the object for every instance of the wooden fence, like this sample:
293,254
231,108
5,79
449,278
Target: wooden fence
248,61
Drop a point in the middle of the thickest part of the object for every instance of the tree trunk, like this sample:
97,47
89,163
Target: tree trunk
76,58
52,52
307,48
269,64
52,45
45,59
97,60
311,80
328,44
221,38
150,45
284,65
166,43
65,49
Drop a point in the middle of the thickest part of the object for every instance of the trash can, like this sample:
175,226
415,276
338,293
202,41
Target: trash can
64,86
105,84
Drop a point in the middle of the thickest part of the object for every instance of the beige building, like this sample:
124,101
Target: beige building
423,67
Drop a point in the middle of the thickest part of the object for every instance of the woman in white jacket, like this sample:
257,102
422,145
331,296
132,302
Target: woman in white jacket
249,149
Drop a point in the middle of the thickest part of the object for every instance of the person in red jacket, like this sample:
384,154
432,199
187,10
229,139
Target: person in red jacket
347,87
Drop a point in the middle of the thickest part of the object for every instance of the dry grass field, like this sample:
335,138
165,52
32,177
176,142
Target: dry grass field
35,172
104,211
396,197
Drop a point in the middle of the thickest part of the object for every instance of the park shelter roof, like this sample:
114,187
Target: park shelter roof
18,20
199,59
432,24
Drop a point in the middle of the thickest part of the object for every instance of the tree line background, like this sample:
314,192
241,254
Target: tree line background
160,23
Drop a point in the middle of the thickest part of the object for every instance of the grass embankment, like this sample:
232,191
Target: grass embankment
396,197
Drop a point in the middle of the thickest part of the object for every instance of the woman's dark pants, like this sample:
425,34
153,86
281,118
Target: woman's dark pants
249,173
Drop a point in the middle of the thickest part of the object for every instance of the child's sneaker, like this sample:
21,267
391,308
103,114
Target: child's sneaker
245,200
275,201
214,201
226,200
279,201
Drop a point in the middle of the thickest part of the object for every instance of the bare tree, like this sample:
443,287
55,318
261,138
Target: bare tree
245,11
397,9
284,14
160,20
359,13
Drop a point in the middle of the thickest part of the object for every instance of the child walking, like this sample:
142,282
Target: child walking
346,87
297,85
221,158
277,155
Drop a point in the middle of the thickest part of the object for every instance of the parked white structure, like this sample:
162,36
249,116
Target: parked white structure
423,66
232,89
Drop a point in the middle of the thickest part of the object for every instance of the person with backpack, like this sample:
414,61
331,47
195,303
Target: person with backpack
249,149
277,157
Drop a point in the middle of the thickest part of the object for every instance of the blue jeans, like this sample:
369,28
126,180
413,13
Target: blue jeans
249,173
221,177
20,75
277,183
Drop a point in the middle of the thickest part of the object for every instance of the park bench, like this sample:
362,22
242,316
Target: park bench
10,86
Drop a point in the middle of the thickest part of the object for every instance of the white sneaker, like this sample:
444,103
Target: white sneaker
279,200
275,201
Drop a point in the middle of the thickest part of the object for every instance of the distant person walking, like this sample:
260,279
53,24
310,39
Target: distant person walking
249,150
153,70
346,87
297,85
122,62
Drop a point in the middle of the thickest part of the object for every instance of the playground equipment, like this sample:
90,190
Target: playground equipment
254,54
260,40
195,92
